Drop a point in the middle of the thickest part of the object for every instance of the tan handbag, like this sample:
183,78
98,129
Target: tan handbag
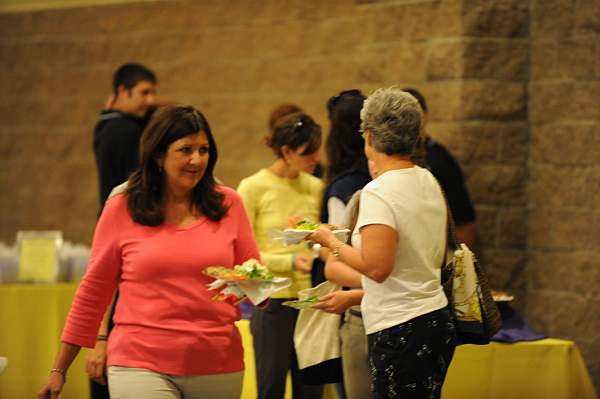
466,285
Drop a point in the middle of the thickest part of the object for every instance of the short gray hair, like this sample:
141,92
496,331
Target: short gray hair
393,118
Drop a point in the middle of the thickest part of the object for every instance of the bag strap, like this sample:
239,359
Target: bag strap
451,223
447,269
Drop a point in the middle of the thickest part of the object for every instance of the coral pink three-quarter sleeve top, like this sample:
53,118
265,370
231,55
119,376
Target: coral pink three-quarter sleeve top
165,319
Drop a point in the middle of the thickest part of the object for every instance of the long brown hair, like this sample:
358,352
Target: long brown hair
345,146
146,184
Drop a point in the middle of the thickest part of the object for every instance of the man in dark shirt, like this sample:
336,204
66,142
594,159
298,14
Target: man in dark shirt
116,148
448,173
118,131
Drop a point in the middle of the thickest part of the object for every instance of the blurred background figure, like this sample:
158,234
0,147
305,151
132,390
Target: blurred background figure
118,131
116,150
347,172
448,173
347,169
272,197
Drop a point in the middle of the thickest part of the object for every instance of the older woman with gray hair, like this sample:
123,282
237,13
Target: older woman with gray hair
398,246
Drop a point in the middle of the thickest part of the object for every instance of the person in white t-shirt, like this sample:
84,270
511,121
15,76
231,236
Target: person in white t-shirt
398,247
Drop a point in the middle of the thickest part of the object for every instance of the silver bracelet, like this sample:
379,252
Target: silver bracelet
336,250
62,372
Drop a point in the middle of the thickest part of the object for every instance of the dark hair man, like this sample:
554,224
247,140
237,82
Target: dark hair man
117,133
116,148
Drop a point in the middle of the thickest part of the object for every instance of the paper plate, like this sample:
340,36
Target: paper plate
295,236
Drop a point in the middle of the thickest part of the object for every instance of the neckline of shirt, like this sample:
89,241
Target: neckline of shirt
195,223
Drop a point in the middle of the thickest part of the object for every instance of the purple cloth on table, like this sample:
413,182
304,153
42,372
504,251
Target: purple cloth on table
246,310
514,327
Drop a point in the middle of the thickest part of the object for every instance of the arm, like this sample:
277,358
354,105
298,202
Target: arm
98,286
342,274
275,262
95,363
339,301
93,295
379,239
57,377
466,233
376,258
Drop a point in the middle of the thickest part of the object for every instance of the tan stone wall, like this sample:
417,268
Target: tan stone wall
507,81
235,62
564,174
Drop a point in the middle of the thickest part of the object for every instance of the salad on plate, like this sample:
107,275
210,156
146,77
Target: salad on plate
249,280
302,303
304,227
250,270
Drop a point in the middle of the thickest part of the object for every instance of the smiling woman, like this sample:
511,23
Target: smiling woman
184,164
153,243
177,159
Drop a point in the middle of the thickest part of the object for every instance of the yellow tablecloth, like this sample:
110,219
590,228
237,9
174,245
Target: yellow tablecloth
32,316
548,368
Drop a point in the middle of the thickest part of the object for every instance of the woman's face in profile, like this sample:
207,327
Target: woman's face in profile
185,162
303,162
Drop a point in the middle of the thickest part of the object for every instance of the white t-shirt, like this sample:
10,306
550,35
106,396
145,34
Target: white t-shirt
411,202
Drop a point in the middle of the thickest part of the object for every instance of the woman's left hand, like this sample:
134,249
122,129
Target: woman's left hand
335,302
95,362
323,236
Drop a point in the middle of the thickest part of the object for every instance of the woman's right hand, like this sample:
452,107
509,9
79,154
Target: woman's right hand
53,387
335,302
95,362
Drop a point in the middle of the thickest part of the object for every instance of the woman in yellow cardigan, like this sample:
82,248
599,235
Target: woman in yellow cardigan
272,196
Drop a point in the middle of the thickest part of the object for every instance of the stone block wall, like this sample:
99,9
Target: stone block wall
563,189
512,88
234,62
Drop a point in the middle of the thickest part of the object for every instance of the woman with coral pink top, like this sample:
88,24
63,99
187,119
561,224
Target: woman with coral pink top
153,241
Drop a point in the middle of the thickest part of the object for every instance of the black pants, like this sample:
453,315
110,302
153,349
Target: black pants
98,391
273,336
410,360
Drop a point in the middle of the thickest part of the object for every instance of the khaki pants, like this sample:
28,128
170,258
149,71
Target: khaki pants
135,383
355,358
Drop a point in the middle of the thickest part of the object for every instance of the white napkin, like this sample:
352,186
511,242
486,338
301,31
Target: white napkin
256,291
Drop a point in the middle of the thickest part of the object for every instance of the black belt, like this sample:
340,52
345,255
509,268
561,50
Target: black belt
355,312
